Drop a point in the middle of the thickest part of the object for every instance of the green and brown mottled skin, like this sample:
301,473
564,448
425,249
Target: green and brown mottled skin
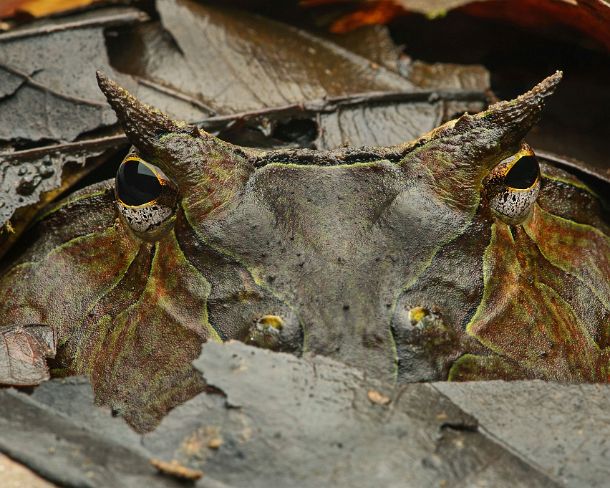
342,246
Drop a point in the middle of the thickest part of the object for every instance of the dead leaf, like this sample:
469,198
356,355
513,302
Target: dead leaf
257,62
46,104
371,13
24,350
31,178
291,95
301,412
589,17
40,8
54,96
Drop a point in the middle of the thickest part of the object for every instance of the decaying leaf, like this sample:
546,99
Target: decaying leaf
31,178
588,17
303,421
292,94
46,72
40,8
258,63
23,354
52,117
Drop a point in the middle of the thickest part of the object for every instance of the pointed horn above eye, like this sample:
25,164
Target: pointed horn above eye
197,162
142,124
508,121
525,110
459,154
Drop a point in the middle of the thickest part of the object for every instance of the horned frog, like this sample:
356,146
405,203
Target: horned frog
457,256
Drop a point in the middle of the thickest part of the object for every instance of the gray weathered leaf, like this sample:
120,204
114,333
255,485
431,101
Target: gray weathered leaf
47,76
261,65
564,429
271,419
244,62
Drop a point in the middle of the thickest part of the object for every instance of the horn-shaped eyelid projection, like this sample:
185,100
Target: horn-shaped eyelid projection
143,125
460,154
209,173
197,162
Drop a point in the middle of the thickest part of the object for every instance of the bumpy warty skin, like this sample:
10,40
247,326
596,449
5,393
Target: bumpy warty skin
388,259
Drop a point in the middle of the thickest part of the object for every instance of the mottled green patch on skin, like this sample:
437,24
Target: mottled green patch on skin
68,201
526,321
471,367
578,249
149,346
38,292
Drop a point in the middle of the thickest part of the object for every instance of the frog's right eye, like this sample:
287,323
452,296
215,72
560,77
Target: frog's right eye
513,185
146,198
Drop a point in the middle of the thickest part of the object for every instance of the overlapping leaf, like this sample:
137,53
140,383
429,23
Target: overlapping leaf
279,86
23,354
39,8
276,420
48,102
589,17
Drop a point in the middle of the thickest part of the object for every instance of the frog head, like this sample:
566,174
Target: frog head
458,255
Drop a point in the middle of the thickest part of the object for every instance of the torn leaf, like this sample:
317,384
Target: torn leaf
256,62
47,71
31,178
24,350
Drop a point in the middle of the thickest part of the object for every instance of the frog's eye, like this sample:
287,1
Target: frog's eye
146,198
513,186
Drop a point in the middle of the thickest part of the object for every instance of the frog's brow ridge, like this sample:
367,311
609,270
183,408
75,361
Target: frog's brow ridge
523,111
332,157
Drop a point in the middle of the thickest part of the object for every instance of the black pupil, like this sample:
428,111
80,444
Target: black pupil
523,174
136,184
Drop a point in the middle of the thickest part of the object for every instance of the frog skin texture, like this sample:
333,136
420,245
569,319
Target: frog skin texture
398,260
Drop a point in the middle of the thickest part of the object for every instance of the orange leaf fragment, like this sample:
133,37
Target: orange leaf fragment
378,398
40,8
176,470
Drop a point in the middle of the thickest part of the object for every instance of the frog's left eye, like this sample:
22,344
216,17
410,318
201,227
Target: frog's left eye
512,187
146,198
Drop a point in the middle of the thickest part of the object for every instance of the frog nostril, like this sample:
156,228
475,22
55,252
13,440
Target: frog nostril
266,332
417,314
272,321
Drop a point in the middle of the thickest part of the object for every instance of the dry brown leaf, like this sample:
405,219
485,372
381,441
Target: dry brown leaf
23,354
590,18
39,8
